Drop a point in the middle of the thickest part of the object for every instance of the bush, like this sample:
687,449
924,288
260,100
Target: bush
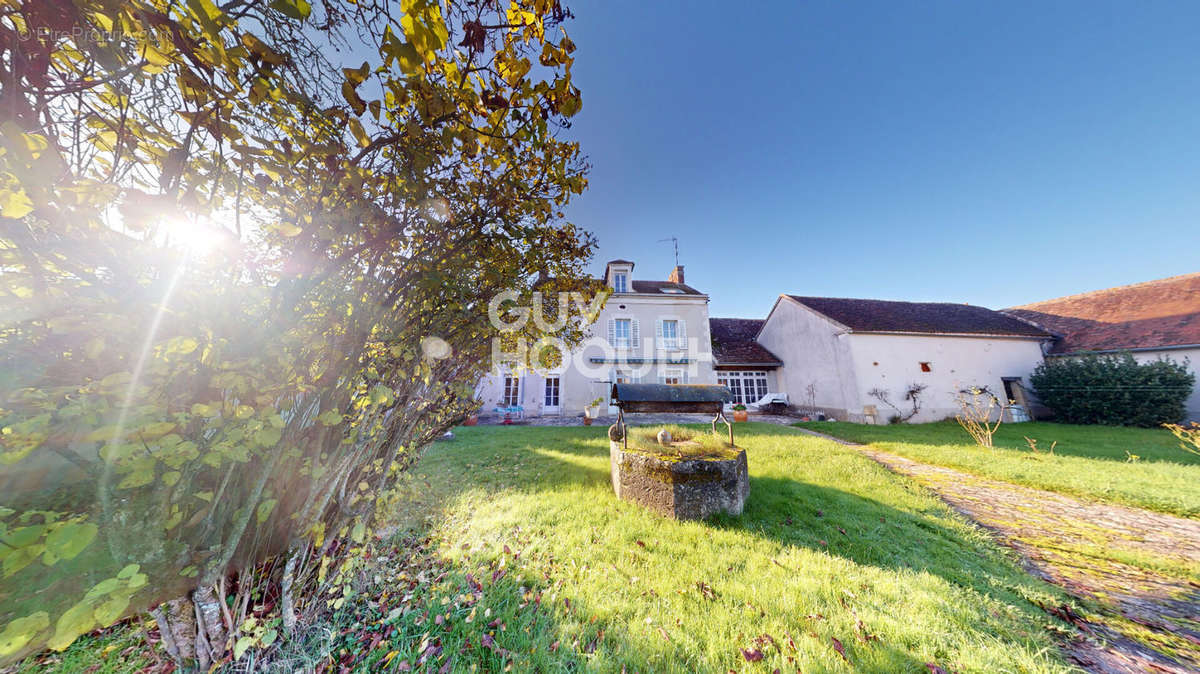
1113,390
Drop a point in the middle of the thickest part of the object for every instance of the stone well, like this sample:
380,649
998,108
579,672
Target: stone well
684,489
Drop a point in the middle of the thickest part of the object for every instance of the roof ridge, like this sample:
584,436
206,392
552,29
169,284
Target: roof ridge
1101,291
869,299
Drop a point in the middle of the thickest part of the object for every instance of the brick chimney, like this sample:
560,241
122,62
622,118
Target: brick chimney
676,274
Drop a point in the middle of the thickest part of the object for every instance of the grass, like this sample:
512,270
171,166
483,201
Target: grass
1089,461
685,443
542,569
116,650
510,553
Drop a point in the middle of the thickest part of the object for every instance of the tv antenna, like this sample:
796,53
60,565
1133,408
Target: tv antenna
674,241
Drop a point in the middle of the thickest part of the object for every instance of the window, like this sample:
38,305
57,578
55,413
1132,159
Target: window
552,388
512,391
620,377
670,334
746,387
1014,392
623,333
926,367
623,328
673,377
672,291
620,282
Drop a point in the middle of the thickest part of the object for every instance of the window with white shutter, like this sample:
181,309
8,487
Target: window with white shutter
668,333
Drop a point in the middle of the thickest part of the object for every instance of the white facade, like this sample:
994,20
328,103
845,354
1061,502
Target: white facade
656,335
843,366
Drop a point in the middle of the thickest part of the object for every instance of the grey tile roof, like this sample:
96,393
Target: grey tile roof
920,317
733,342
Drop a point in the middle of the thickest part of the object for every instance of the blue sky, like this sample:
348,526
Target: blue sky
992,153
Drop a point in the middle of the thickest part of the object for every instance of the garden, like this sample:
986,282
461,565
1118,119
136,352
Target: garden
506,549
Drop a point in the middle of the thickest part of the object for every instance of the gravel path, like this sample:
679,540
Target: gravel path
1146,621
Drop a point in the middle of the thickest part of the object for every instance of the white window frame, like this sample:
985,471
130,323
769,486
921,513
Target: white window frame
669,342
747,386
631,341
676,374
546,393
510,396
620,281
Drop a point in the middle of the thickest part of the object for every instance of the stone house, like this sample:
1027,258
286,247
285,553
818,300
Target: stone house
649,331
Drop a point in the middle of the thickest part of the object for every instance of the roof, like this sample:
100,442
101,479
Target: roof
663,287
612,262
674,393
1154,314
649,287
734,342
920,317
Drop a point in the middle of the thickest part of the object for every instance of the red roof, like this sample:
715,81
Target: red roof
1148,315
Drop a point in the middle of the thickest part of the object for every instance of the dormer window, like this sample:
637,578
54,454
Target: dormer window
620,282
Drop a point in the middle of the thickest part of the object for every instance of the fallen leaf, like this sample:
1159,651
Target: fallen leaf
837,646
934,669
753,655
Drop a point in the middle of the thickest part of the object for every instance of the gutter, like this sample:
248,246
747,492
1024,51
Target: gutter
949,334
1136,349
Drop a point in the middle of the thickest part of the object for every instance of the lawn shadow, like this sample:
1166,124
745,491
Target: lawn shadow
788,511
781,510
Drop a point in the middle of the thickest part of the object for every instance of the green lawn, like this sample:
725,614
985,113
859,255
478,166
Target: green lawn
538,555
507,551
1088,461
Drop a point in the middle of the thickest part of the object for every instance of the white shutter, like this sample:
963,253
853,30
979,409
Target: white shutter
612,331
635,335
681,334
659,335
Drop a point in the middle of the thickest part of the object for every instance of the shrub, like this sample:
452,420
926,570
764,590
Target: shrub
1113,390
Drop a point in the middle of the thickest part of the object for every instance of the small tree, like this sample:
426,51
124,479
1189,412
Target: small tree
976,407
912,395
1189,435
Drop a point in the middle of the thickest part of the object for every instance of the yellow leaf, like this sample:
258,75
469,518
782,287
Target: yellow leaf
78,620
15,204
18,632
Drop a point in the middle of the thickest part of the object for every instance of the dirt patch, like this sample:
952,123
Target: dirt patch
1144,619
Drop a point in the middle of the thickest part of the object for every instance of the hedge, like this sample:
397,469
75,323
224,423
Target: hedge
1113,389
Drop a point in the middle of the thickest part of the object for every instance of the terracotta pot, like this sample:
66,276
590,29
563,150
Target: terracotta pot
740,415
587,421
472,420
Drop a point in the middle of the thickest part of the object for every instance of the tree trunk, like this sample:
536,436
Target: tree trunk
208,607
181,625
288,608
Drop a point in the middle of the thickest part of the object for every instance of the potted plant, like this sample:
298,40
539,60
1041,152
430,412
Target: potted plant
472,420
591,411
739,412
